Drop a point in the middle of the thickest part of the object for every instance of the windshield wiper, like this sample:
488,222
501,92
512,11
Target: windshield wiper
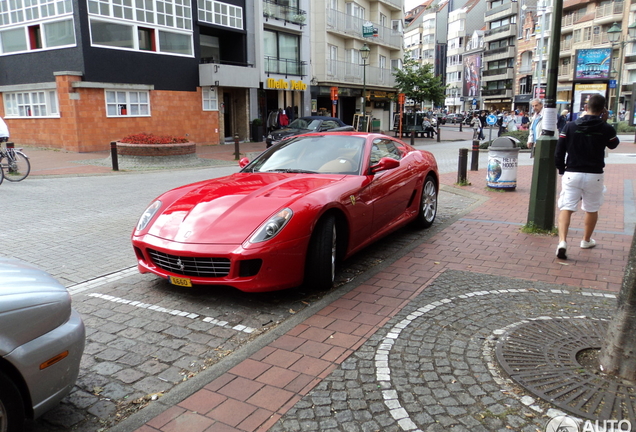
290,170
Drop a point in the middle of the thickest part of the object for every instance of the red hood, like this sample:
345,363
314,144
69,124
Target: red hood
228,209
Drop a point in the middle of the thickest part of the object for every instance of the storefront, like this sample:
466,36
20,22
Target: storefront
281,97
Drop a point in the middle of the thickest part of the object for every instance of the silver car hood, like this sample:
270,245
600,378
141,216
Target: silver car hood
29,295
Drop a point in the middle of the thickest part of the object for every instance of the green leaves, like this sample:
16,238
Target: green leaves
419,83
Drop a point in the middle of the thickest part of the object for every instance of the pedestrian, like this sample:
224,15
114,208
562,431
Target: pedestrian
562,120
482,119
512,121
502,122
523,121
535,123
476,125
4,131
579,158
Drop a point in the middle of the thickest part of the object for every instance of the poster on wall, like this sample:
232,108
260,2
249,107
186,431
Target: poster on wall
582,93
472,65
593,64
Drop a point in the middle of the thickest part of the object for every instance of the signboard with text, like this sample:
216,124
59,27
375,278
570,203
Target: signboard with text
592,64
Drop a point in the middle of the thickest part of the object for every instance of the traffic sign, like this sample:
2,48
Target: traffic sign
491,119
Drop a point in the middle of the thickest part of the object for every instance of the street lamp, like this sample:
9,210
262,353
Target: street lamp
614,35
364,53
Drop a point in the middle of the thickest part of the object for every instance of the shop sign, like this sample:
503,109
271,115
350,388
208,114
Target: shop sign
281,84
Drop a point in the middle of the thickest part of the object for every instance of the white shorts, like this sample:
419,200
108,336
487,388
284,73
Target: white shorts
584,187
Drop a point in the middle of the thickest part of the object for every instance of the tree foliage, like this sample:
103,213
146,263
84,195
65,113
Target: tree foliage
419,83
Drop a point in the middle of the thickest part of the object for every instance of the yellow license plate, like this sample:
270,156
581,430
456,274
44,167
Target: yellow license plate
185,282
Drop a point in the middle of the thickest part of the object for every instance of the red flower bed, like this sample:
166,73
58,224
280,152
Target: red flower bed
145,138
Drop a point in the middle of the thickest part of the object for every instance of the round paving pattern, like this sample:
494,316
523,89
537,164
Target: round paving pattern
433,367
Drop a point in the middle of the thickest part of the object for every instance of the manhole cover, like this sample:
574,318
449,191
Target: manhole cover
540,355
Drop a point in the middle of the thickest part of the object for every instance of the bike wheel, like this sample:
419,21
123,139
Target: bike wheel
1,173
17,169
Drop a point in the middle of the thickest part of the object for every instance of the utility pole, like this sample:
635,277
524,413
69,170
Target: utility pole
543,189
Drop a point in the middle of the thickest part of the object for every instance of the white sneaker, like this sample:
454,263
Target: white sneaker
588,244
561,249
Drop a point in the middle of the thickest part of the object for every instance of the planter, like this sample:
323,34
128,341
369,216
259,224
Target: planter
156,150
257,132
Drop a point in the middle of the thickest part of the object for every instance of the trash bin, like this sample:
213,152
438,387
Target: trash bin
503,156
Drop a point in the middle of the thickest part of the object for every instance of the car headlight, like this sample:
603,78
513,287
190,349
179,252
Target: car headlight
147,216
273,226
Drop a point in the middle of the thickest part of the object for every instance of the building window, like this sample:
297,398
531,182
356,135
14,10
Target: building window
210,99
16,12
587,33
122,35
282,53
38,36
167,13
31,104
127,103
222,14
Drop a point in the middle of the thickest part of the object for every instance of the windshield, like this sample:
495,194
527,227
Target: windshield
325,154
303,123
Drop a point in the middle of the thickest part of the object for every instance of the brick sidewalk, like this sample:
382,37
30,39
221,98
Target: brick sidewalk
256,393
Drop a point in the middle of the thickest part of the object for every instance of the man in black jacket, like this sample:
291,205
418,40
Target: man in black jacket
579,158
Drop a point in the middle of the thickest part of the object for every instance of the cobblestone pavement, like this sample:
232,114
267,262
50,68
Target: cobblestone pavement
432,366
146,337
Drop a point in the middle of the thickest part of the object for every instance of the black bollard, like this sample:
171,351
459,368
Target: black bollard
462,177
113,155
438,135
460,125
474,162
413,138
237,153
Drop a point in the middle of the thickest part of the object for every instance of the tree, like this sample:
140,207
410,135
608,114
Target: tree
419,83
618,355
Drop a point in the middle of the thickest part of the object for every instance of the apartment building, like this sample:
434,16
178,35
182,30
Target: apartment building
426,35
499,56
283,41
340,33
463,63
585,26
78,75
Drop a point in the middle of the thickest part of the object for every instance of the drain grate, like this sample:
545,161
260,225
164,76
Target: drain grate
540,355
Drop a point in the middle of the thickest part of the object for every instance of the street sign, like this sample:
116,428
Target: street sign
491,119
612,84
367,29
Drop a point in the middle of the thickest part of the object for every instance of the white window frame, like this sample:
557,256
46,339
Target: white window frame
127,103
24,105
210,98
222,14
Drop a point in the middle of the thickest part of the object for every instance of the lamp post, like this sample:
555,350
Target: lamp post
364,53
614,34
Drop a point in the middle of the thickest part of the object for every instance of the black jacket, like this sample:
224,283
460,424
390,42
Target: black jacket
581,146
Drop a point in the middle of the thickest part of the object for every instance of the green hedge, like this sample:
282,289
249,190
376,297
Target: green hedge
521,135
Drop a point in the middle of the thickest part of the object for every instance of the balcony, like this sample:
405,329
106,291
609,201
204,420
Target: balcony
497,93
228,75
500,32
566,47
502,11
286,14
565,72
342,23
353,73
498,74
600,39
612,10
397,5
499,53
285,66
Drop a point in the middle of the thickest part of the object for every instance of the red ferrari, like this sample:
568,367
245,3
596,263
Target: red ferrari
289,216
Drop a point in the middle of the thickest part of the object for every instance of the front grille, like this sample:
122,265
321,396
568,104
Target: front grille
191,266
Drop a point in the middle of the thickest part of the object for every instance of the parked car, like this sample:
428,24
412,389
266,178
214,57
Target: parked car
41,343
454,118
290,215
309,124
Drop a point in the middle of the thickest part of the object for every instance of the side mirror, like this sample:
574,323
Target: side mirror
244,162
386,163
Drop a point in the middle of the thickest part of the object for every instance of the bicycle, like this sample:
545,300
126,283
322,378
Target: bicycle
14,164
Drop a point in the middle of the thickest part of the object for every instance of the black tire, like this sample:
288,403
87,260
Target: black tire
19,169
11,406
1,175
428,203
320,268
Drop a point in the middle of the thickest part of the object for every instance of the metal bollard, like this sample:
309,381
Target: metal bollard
113,155
460,125
413,138
237,153
462,177
438,135
474,162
